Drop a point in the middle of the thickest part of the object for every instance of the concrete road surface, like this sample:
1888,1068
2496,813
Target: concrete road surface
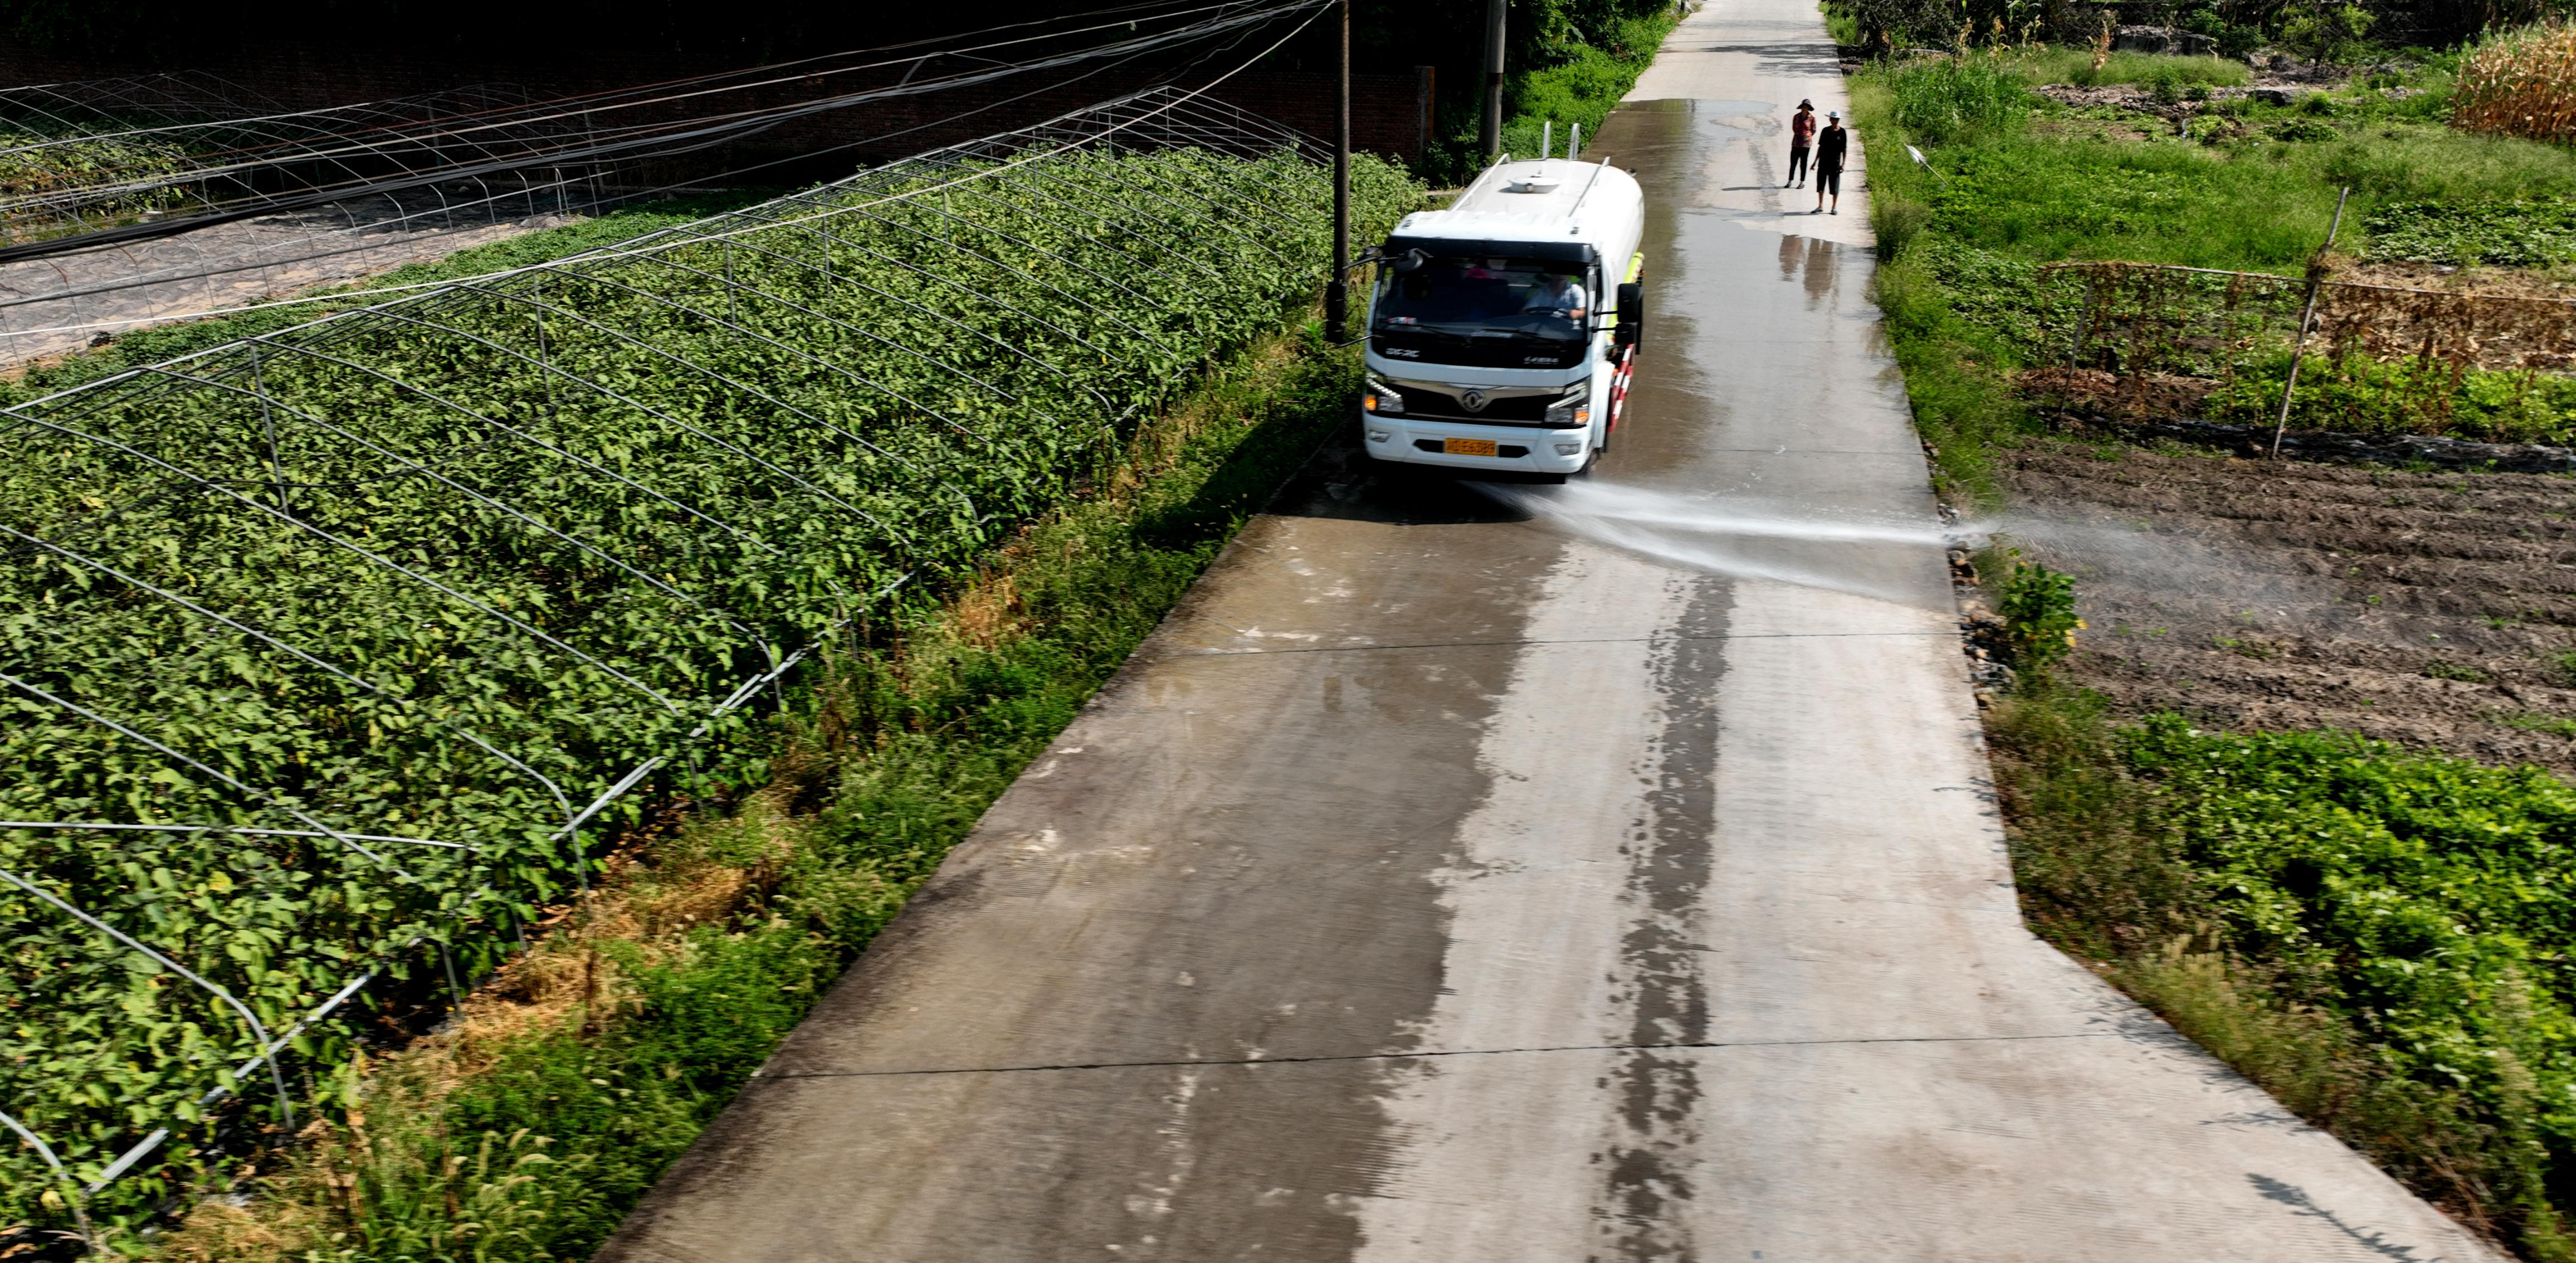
1437,884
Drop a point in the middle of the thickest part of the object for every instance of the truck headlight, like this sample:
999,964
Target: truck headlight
1382,398
1572,408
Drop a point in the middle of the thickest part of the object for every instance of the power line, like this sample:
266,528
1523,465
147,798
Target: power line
1216,28
544,134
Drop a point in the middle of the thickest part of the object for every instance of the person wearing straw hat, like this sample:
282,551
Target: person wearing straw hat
1830,148
1802,134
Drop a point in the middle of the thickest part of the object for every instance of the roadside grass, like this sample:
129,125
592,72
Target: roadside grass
2259,205
2066,64
153,345
525,1130
2056,188
2359,930
1956,371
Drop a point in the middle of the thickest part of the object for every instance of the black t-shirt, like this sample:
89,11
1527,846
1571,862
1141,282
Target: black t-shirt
1830,144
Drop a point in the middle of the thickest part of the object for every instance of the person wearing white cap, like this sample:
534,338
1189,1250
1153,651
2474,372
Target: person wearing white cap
1802,134
1830,148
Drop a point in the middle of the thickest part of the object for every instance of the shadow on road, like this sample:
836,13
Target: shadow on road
1341,481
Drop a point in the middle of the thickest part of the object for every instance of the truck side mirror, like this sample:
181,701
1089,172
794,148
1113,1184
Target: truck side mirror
1632,315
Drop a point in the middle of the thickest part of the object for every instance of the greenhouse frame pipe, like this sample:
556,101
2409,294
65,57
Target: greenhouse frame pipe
1201,216
745,453
661,139
1113,225
1111,245
748,689
891,296
990,230
511,510
1072,382
300,524
1176,105
1077,301
1103,220
940,365
270,796
419,468
862,380
79,1199
563,106
837,279
997,300
1089,159
104,826
498,216
743,692
259,1032
646,409
315,660
1183,189
1106,112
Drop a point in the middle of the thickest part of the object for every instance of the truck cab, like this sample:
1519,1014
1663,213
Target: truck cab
1503,330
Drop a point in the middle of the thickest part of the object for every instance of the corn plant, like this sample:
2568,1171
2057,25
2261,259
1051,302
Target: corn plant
2521,83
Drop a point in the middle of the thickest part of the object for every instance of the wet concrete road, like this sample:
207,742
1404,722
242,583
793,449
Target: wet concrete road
1436,886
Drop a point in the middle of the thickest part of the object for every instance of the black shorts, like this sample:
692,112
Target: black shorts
1830,181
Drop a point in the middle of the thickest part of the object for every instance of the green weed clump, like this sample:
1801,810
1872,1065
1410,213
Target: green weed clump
2075,66
1955,370
2377,937
1952,99
2524,233
2038,607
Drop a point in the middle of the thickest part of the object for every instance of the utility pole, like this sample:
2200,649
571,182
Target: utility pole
1494,78
1337,292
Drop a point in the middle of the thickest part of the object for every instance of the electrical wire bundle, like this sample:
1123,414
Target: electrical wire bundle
234,169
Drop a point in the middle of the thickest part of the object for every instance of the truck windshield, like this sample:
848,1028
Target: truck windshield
1503,312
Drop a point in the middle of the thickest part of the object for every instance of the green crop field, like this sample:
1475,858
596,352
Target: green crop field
362,629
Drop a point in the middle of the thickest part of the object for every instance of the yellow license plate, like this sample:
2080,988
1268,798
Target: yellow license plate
1467,447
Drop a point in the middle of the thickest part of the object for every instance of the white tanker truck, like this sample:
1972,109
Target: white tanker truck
1504,329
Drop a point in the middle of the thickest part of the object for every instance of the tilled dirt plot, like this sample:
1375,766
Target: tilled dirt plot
2433,609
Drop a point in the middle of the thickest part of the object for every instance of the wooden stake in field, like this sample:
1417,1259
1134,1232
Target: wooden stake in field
2307,318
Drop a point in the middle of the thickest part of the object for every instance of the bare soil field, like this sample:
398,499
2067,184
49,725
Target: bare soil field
2431,609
